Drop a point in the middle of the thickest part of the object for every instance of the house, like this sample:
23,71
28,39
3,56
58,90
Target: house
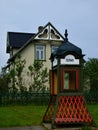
33,46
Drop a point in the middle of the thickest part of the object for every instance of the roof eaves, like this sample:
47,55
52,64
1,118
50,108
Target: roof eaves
7,43
33,38
27,43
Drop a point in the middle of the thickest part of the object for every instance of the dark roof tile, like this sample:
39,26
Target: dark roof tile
65,48
17,39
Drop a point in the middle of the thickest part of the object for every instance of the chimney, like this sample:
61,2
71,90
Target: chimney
40,28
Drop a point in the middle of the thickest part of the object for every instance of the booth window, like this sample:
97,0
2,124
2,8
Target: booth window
70,80
66,81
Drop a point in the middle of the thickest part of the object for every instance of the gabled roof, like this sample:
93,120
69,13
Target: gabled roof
49,32
35,37
17,39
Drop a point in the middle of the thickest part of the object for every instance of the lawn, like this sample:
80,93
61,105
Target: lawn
31,115
93,109
21,115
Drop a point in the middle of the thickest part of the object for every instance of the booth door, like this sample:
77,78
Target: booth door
70,80
53,82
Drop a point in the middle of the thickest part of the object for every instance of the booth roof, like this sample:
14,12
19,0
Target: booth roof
67,48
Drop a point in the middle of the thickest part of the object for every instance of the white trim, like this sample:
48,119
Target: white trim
49,34
55,62
69,60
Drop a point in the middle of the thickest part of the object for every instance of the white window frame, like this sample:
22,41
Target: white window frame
40,52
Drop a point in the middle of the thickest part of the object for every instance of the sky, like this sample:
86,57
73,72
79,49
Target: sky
79,17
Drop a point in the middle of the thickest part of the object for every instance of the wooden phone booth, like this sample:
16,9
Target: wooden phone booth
67,103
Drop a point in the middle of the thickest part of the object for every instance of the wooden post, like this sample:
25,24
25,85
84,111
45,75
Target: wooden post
58,77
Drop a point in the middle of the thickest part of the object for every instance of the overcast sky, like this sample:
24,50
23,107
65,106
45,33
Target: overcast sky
80,17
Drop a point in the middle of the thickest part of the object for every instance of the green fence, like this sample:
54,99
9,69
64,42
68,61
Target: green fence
91,97
37,98
24,98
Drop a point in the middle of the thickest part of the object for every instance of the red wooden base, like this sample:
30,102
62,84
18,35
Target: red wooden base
50,110
66,109
72,109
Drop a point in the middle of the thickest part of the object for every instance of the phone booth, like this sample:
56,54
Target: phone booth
67,103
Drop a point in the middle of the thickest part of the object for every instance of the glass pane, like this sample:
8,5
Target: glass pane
66,81
70,80
40,52
42,55
37,54
40,47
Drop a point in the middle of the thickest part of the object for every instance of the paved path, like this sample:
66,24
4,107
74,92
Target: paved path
25,128
48,127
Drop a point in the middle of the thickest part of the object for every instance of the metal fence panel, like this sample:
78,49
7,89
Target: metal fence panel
24,98
10,98
91,97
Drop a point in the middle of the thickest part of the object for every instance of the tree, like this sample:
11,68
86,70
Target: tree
16,74
91,73
13,80
19,66
4,79
39,76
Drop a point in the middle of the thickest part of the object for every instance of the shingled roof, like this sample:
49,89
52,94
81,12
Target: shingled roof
65,48
68,47
17,39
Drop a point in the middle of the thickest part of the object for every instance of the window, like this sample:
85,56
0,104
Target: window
66,80
54,48
40,52
70,79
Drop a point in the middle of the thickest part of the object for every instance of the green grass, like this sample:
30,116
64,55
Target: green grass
93,109
31,115
21,115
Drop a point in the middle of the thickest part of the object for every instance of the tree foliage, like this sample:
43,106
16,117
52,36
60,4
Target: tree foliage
91,72
19,66
39,76
16,74
4,80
